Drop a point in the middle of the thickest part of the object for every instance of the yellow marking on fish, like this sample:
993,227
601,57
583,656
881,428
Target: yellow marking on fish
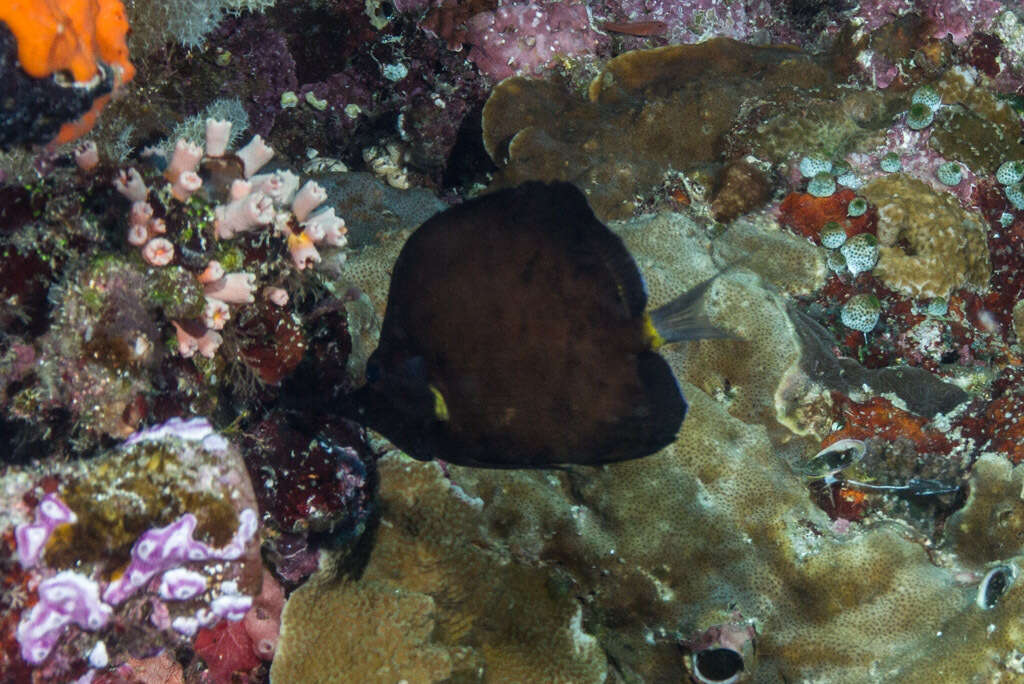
652,337
440,406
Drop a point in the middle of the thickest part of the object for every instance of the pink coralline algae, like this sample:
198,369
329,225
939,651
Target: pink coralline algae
955,18
699,20
522,37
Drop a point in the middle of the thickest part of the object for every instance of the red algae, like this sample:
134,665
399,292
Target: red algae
877,417
805,214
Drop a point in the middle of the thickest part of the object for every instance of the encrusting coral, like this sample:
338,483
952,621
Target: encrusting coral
946,248
438,599
648,111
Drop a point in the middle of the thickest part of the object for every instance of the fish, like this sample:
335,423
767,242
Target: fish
516,335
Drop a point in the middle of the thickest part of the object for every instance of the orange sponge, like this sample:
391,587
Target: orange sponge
59,35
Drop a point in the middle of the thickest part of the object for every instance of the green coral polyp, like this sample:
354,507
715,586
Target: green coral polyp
858,207
949,173
822,185
920,116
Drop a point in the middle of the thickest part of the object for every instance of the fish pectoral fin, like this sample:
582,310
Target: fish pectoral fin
683,318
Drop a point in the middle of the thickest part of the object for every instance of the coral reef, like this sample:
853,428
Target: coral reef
843,501
667,548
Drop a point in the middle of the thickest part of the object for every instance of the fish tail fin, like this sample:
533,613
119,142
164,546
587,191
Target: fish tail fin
683,318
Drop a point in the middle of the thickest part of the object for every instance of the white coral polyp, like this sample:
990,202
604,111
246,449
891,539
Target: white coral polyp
243,215
311,196
254,155
232,288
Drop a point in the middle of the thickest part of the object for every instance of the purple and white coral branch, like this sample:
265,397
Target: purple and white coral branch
32,537
164,548
65,598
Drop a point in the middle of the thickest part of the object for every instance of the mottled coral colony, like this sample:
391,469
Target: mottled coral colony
182,310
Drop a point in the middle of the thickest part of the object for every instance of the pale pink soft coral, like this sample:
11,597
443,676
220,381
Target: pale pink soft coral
130,184
276,296
87,156
193,337
218,134
185,158
254,155
158,252
278,186
213,271
311,196
216,314
303,250
138,223
186,183
232,288
242,215
327,227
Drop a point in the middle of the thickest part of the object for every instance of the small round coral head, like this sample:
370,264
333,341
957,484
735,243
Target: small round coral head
890,163
822,185
920,116
949,173
832,235
861,253
1010,172
927,96
858,206
861,312
834,459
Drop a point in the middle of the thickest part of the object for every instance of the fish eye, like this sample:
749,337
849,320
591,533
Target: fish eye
717,665
996,583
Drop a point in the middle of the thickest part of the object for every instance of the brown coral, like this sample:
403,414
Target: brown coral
438,599
649,111
929,245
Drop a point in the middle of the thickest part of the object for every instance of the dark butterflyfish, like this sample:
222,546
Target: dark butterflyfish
516,335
